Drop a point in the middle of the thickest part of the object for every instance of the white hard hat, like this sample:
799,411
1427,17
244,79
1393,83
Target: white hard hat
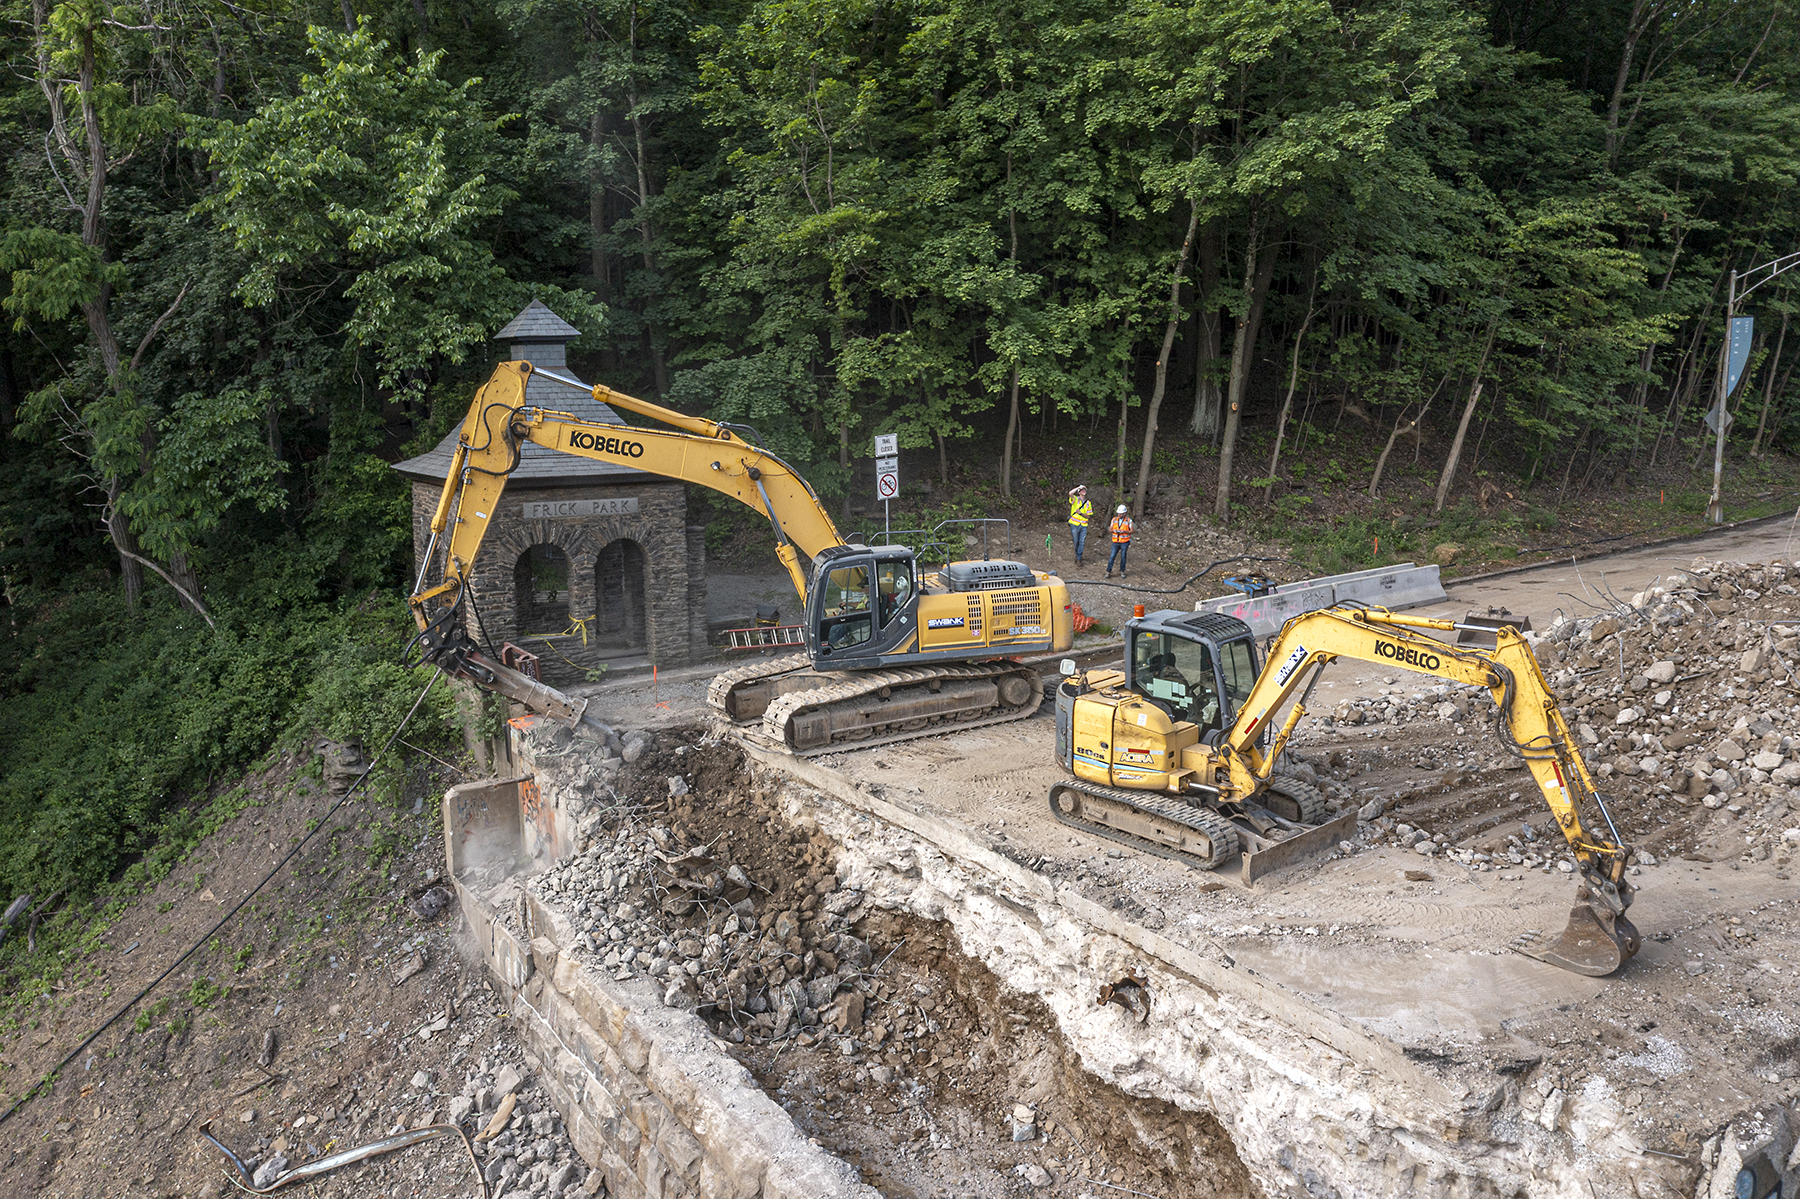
1121,509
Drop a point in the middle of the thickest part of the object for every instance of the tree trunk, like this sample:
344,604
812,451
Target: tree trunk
1162,359
844,462
131,573
943,461
1287,404
1205,421
599,259
1462,426
349,18
1259,268
1118,487
1012,430
1634,29
1586,435
1402,426
640,136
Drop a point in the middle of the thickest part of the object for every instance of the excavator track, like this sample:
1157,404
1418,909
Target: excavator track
1165,825
719,691
857,711
1292,799
1296,825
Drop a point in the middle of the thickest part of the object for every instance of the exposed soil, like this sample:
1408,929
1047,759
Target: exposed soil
335,958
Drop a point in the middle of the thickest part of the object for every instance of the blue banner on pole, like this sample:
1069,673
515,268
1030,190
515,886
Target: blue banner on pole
1741,329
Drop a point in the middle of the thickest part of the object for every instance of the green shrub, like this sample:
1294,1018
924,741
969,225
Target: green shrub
114,727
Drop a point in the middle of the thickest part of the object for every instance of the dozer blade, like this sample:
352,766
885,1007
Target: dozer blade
1262,856
1594,943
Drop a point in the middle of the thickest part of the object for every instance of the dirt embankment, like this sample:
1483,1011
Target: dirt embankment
295,1033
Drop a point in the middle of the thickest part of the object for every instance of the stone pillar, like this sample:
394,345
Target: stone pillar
698,649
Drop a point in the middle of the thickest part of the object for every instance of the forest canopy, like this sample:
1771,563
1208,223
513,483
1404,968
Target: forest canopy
255,253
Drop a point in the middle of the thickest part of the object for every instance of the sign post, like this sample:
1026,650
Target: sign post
1732,357
887,473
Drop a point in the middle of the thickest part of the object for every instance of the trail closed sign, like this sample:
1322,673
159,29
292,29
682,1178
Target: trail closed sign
887,466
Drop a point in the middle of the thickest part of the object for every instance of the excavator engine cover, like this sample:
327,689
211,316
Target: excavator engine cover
996,574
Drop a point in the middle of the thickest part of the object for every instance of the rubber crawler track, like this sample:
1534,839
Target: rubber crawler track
1308,800
1217,830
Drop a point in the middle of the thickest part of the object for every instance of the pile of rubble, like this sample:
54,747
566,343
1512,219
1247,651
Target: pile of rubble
766,956
522,1144
1688,697
1685,700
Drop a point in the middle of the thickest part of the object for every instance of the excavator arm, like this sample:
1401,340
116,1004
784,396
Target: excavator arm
500,421
1528,722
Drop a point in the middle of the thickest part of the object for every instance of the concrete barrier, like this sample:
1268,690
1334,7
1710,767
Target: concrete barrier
1395,587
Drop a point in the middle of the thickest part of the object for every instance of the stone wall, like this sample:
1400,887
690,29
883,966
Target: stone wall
674,592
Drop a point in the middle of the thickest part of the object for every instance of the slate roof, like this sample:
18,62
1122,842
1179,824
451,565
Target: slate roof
535,323
540,337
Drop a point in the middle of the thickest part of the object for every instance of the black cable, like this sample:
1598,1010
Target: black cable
468,589
42,1083
1189,582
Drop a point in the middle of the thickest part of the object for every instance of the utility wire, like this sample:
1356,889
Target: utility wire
43,1083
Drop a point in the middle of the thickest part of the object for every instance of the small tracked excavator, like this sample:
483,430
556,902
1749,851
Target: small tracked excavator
892,652
1177,754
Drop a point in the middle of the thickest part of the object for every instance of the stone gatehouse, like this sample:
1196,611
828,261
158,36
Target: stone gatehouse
587,564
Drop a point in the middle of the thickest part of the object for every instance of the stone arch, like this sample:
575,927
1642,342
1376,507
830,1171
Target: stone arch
621,593
541,593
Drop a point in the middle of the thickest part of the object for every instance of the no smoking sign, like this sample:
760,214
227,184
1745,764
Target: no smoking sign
887,466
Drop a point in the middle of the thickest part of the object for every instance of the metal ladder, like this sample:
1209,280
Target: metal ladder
766,637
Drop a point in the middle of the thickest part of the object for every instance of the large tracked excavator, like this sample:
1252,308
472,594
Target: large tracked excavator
892,651
1178,753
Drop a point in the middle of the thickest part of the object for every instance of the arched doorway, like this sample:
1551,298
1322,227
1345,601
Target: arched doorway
541,590
620,576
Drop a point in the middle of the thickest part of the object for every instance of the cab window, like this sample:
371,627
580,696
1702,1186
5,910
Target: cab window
1237,661
894,585
1178,674
847,590
847,619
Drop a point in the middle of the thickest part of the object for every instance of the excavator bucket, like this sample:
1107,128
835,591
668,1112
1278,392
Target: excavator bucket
1595,942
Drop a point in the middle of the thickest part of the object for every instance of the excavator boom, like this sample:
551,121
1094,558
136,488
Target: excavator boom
704,452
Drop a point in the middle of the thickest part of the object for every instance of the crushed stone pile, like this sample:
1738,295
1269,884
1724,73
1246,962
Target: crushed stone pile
766,953
1685,700
530,1152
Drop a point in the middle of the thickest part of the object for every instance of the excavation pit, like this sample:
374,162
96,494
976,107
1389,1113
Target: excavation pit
1353,1027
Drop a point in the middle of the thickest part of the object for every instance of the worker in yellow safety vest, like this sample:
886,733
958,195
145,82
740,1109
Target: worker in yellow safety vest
1080,512
1121,541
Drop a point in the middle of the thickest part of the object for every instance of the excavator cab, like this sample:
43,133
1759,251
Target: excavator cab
861,604
1195,666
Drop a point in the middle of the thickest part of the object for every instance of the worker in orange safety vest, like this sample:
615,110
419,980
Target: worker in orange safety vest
1121,541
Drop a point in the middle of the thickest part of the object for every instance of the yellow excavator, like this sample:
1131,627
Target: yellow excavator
892,652
1177,754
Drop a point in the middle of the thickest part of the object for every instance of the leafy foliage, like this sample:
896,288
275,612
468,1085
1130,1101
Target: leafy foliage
253,259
